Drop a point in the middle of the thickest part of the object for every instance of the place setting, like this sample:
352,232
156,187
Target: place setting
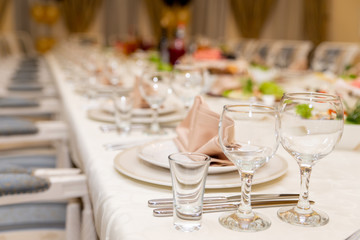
247,136
150,102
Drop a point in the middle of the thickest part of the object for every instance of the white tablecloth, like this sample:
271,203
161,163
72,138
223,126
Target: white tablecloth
120,203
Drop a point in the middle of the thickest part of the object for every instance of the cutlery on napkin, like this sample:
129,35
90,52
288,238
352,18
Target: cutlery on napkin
198,132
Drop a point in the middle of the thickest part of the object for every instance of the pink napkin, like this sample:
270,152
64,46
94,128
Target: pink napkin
198,132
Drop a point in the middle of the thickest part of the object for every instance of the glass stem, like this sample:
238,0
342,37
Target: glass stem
303,203
245,202
155,126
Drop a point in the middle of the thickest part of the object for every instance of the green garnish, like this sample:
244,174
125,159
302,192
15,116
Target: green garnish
161,66
154,57
353,116
304,110
226,93
271,88
248,86
260,66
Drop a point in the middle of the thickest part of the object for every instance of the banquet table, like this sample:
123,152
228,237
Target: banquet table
120,202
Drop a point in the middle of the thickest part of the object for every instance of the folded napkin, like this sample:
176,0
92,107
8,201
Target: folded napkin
198,132
14,125
7,102
24,87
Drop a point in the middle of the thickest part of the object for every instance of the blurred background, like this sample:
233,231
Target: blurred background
145,23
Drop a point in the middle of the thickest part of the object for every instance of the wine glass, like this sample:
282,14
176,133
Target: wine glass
154,88
187,83
248,135
311,126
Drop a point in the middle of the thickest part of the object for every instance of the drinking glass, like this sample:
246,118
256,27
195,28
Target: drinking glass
154,88
248,135
311,126
188,174
187,83
123,105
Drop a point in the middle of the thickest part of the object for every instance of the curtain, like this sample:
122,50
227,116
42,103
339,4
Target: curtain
121,19
155,11
315,20
79,14
208,18
3,7
251,15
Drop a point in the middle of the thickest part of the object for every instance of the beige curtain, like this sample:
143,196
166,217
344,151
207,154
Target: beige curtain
315,20
155,10
3,7
79,14
209,18
251,15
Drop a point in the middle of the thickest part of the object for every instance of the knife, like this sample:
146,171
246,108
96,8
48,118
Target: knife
211,208
167,202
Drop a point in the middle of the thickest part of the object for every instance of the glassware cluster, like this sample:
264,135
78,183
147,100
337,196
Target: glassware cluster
308,125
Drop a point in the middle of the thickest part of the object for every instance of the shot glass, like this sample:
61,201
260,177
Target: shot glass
188,174
123,105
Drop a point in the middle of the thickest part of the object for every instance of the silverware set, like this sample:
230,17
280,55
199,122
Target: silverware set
163,207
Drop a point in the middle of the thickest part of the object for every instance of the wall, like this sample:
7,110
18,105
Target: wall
344,21
285,22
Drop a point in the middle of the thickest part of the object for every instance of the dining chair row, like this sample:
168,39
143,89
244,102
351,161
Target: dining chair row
42,193
333,57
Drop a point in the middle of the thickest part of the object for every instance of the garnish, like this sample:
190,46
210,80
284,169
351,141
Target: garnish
304,110
353,116
271,88
260,66
248,86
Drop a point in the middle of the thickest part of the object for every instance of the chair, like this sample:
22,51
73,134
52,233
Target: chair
49,134
292,55
334,56
36,109
244,48
29,149
259,51
49,193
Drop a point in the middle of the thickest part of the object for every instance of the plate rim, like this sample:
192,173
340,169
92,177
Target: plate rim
156,170
174,117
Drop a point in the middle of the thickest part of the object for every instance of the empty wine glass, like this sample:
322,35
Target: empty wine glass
311,125
248,135
187,83
154,88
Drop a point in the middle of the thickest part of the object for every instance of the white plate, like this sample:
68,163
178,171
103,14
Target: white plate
132,166
103,116
157,153
108,106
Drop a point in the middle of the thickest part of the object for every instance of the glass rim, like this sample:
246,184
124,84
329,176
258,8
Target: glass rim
258,107
315,96
206,159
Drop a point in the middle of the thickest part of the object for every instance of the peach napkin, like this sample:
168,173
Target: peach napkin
198,132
